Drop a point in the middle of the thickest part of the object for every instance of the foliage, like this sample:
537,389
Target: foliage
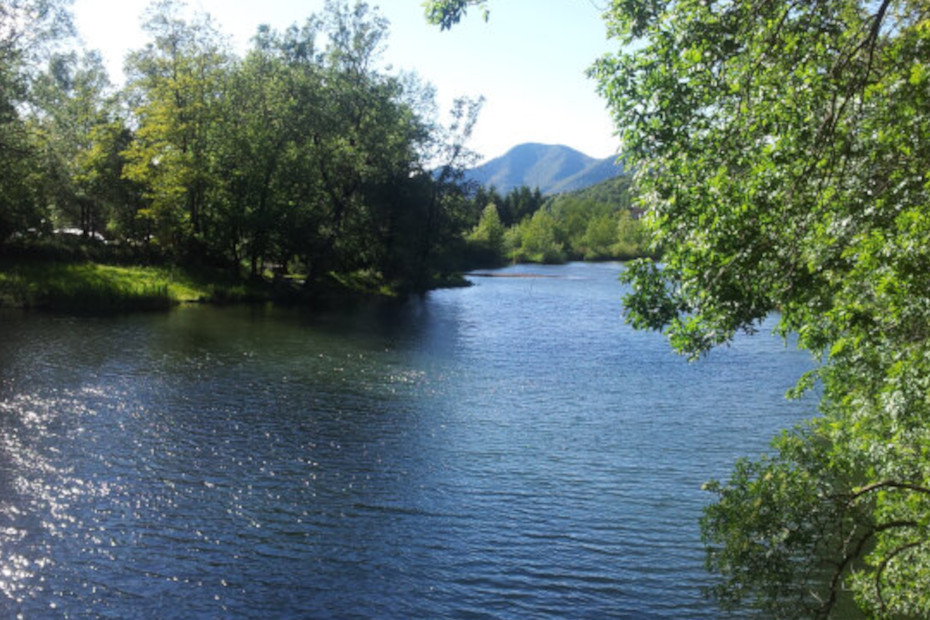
77,134
176,88
512,207
447,13
591,224
615,190
486,240
320,163
537,240
28,30
781,159
303,155
632,239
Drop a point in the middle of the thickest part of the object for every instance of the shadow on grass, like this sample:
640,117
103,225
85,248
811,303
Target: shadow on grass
82,288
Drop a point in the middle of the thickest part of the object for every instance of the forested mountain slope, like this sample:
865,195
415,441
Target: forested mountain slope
551,168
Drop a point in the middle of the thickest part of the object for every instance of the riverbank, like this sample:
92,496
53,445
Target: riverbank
91,287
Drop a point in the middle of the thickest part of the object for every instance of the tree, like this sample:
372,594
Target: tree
630,240
258,154
447,13
378,210
303,154
596,223
519,203
486,240
537,239
28,30
490,229
176,87
113,198
599,237
72,109
780,158
782,163
446,211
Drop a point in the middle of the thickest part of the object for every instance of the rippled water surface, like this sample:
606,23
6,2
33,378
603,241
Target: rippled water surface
510,450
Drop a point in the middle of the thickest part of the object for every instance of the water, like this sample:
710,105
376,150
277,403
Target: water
510,450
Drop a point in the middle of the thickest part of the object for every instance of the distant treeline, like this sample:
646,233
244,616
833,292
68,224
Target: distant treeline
597,223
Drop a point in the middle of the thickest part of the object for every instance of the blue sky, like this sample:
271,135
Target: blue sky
528,60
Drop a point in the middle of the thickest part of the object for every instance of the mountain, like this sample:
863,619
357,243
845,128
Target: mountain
551,168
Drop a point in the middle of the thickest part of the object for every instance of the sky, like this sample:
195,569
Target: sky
528,60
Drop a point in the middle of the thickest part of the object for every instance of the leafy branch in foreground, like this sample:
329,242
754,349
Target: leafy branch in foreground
447,13
782,161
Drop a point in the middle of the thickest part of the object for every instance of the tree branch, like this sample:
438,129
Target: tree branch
881,568
856,553
889,484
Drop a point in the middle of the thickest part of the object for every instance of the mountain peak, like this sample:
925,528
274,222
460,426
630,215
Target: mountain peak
553,168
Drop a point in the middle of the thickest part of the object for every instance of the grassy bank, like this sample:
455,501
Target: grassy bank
87,287
75,275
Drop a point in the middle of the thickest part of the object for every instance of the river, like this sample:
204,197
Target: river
508,450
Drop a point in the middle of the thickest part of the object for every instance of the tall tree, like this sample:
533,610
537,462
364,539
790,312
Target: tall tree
99,176
350,136
486,240
446,210
781,159
255,152
176,85
378,208
73,105
28,32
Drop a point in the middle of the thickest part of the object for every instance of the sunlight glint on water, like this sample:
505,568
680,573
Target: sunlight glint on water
510,450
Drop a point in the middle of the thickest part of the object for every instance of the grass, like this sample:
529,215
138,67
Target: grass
87,287
364,282
65,275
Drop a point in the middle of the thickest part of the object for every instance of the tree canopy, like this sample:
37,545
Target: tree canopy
447,13
523,226
782,160
303,154
783,165
27,30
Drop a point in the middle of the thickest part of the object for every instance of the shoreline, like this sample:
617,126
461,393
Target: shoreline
485,274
